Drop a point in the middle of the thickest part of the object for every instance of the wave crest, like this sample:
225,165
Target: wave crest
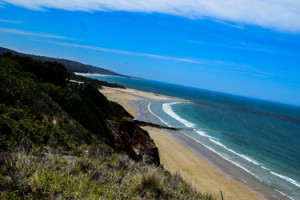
286,178
168,109
163,121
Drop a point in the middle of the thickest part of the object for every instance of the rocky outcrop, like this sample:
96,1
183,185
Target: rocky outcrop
129,137
143,123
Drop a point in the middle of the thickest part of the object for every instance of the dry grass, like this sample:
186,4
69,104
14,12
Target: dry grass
100,173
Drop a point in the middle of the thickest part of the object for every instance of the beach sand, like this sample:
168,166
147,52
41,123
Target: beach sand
176,157
125,96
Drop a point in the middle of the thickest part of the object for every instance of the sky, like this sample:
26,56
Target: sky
248,48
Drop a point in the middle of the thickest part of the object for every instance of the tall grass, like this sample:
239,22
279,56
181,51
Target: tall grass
98,174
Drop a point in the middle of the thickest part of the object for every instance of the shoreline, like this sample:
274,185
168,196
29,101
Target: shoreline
97,74
93,74
205,169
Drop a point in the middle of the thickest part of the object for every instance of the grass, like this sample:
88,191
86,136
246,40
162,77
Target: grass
97,174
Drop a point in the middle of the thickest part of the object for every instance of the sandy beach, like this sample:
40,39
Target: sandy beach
179,153
125,96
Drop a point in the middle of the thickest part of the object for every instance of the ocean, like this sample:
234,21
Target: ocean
260,137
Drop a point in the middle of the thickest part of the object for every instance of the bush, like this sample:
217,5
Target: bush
150,181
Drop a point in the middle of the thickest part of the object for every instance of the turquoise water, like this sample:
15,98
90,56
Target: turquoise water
262,138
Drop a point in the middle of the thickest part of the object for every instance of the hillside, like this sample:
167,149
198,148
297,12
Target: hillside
72,66
64,140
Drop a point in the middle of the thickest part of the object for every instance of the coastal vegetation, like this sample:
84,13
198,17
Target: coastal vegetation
64,140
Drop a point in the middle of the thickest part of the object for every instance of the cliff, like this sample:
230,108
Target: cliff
129,137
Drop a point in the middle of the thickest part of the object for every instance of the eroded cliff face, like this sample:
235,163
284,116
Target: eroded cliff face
130,138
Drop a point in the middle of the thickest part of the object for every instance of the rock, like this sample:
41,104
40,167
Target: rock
136,142
143,123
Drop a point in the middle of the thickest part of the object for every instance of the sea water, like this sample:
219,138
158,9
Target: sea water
260,137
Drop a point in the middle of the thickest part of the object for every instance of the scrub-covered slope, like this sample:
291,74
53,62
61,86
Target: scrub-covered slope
62,139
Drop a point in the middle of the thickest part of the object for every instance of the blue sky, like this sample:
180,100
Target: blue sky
249,49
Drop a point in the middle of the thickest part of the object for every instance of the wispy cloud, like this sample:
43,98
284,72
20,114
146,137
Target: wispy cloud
277,14
36,34
247,46
132,53
233,25
10,21
216,65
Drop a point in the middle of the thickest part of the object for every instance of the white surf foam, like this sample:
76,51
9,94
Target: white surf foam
285,195
287,179
163,121
265,168
168,109
221,155
234,152
202,133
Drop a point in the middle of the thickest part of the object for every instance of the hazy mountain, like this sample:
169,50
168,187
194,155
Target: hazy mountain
72,66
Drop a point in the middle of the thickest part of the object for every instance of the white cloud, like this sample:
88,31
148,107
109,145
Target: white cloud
132,53
277,14
10,21
37,34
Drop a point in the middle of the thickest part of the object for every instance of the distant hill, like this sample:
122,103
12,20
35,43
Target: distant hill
72,66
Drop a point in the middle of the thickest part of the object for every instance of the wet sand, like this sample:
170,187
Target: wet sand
204,169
